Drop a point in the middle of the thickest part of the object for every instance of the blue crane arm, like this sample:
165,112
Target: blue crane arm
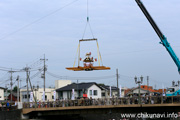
163,39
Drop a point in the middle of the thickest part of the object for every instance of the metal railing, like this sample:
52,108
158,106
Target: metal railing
104,102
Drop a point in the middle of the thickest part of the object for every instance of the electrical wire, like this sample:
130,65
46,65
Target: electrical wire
2,82
35,75
37,20
80,78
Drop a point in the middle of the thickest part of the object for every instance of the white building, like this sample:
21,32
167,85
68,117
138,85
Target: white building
38,94
106,91
123,89
91,89
2,93
135,92
61,83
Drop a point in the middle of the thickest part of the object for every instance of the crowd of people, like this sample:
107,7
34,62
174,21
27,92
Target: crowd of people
101,102
85,101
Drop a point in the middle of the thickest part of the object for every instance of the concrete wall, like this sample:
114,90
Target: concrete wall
1,94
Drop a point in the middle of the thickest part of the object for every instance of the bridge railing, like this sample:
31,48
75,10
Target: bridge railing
104,102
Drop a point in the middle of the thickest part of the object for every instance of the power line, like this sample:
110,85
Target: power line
37,20
2,82
35,75
81,78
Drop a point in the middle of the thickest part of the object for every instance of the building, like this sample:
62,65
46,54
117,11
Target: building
106,91
144,90
6,94
91,89
114,91
2,93
14,96
38,94
61,83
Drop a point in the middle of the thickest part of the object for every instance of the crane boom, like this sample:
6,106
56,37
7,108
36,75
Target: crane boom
163,39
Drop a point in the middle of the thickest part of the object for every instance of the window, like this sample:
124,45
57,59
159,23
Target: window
103,94
90,91
95,92
170,90
61,94
45,97
25,96
0,96
52,96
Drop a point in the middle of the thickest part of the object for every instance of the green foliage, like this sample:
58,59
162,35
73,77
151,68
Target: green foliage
15,89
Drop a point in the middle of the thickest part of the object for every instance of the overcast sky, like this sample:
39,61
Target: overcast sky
127,42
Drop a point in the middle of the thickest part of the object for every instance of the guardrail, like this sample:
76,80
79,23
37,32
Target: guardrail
105,101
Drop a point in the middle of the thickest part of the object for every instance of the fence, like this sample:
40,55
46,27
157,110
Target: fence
103,102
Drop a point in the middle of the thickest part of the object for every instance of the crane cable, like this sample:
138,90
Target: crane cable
88,23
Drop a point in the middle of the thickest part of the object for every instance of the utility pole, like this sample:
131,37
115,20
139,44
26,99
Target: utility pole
6,91
27,78
148,84
44,75
117,77
20,83
18,89
11,82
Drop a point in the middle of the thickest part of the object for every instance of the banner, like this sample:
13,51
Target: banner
110,92
43,96
31,97
92,93
54,95
163,93
72,97
120,91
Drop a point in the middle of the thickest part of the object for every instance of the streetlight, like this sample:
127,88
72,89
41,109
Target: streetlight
139,82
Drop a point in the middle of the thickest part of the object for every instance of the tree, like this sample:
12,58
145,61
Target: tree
15,89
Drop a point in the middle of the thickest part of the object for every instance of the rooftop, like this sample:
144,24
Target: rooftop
79,86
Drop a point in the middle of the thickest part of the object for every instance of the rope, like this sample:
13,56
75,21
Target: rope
91,30
88,22
99,54
76,55
84,30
